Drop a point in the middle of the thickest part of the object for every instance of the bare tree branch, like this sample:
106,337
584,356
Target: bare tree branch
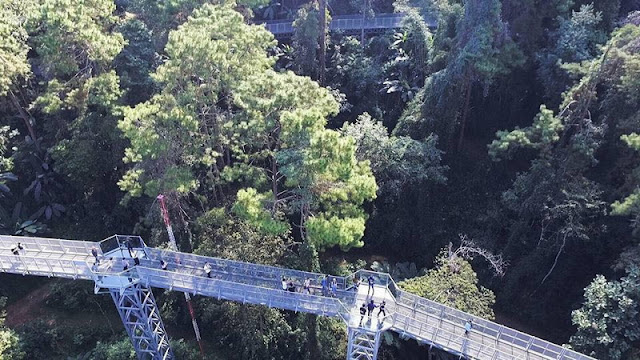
468,250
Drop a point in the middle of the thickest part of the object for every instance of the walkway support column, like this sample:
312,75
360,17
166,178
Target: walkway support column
141,318
363,344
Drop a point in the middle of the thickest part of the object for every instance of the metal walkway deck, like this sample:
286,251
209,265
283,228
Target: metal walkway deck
349,24
412,316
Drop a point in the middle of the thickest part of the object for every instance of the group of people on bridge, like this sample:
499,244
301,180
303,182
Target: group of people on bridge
328,285
368,308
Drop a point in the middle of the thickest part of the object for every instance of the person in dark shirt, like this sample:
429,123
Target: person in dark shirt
130,247
370,307
94,252
17,249
363,312
381,306
371,281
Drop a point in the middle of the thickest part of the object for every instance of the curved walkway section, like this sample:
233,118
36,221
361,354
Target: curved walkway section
349,24
409,315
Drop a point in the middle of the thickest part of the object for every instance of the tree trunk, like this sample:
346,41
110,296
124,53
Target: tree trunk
313,345
364,17
465,111
323,39
25,118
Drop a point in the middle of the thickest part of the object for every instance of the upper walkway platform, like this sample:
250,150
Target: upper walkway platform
348,24
410,315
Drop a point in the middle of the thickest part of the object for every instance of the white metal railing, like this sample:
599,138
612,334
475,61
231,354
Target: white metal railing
241,292
409,314
504,338
59,265
239,268
46,244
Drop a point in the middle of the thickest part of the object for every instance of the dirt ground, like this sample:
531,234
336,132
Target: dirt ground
28,308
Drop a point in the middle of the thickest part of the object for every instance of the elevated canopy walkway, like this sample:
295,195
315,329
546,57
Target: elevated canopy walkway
407,314
348,24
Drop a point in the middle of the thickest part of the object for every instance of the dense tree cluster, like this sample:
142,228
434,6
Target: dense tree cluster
516,122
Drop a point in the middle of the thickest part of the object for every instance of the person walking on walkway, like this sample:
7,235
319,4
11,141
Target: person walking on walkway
324,285
356,283
291,286
307,285
371,281
284,284
467,326
163,265
207,269
94,252
363,312
370,307
381,306
334,287
136,259
129,247
17,249
125,267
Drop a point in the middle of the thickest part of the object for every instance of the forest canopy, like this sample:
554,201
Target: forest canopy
515,123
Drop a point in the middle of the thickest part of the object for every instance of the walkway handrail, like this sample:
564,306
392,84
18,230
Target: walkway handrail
409,314
74,268
349,22
47,244
501,333
201,285
198,261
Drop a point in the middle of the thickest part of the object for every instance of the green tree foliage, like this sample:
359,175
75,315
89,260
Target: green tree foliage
259,175
70,42
163,16
136,60
181,127
9,349
76,37
396,161
356,71
454,283
13,52
6,176
87,157
619,102
555,194
576,40
630,205
406,71
251,332
483,51
609,320
120,350
558,203
220,235
306,40
225,116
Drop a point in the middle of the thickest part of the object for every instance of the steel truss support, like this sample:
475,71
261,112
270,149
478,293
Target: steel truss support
141,318
363,344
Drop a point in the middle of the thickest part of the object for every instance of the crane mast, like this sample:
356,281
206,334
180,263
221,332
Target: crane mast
174,246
